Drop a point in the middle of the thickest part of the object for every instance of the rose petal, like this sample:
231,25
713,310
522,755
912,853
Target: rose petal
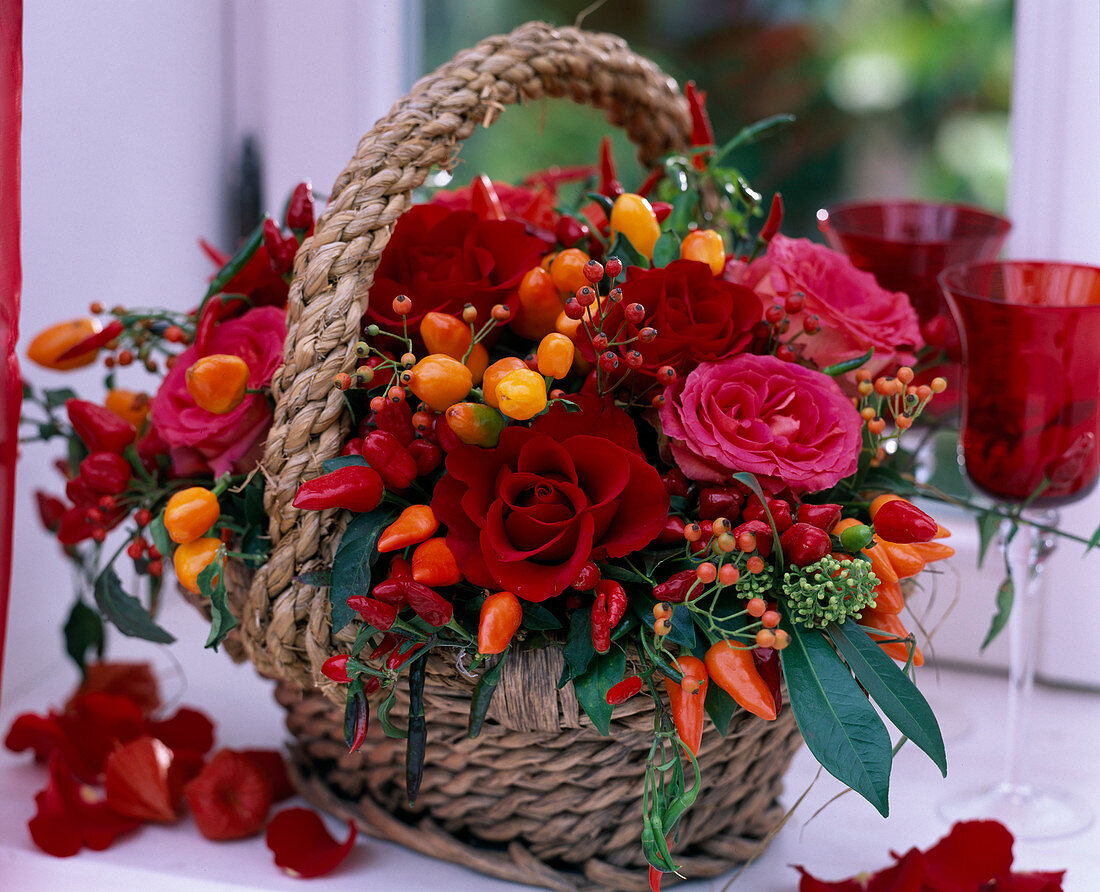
302,845
1035,881
40,733
188,729
273,766
230,797
974,852
133,680
140,783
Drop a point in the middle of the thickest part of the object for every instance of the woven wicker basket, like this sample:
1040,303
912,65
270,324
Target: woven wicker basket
540,797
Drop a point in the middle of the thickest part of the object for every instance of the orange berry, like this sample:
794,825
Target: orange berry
862,375
190,513
494,374
876,426
217,382
905,374
521,394
721,525
782,639
191,558
726,543
755,564
765,638
469,314
633,217
555,355
706,572
746,541
395,394
770,619
728,574
662,610
756,607
867,412
662,626
865,388
939,385
402,305
693,532
440,381
501,312
923,392
408,360
706,246
904,422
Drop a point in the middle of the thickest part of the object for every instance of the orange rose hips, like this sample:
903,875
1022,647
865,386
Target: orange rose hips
521,394
190,513
633,217
440,381
555,355
191,558
706,246
217,382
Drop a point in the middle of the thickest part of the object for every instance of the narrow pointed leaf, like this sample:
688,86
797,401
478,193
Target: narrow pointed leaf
605,671
125,611
1006,594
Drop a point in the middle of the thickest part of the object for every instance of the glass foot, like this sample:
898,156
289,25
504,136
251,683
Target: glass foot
1028,812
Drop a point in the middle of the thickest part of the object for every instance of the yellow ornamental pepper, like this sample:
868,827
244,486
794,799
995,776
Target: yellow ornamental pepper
555,355
633,217
217,382
521,394
706,246
440,381
192,558
495,373
190,513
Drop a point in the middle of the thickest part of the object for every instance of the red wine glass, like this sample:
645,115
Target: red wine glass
1030,440
905,245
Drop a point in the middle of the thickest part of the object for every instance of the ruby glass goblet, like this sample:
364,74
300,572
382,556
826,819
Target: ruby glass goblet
1030,430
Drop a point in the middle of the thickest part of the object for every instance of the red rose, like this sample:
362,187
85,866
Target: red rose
856,312
697,317
445,259
528,514
789,425
198,439
535,206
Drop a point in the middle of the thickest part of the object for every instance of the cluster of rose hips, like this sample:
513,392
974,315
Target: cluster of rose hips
894,396
768,333
134,337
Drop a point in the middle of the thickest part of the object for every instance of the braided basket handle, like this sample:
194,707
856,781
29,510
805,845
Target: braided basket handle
285,621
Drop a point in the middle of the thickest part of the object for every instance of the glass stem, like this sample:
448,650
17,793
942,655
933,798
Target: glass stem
1025,552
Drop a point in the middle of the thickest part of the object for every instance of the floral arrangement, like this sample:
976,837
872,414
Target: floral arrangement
620,422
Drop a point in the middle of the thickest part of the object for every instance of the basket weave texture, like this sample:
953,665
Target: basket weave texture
540,797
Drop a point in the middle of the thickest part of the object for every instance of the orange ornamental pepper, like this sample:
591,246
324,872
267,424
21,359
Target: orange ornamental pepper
192,558
903,558
889,624
539,305
501,615
633,216
880,563
477,362
932,551
706,246
130,406
434,564
440,381
476,424
567,270
442,333
217,382
493,375
733,669
521,394
687,700
190,513
555,355
415,524
889,598
49,344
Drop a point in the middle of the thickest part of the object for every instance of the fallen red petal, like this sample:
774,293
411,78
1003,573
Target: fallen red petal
974,852
810,883
71,816
135,681
140,783
273,766
188,729
302,845
230,797
906,876
39,733
1032,881
93,725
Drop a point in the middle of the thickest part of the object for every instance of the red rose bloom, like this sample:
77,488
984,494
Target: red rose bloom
535,206
528,514
698,317
444,259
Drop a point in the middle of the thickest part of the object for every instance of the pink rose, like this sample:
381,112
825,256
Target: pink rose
789,425
856,313
198,439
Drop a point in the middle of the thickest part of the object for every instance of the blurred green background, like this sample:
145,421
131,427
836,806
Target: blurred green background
893,98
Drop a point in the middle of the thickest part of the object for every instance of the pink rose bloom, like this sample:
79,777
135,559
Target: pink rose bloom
199,440
789,425
856,313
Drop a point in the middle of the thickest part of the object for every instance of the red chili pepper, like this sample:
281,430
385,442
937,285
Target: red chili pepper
675,482
609,176
396,419
377,613
569,230
601,625
780,511
100,429
588,577
434,564
903,522
389,642
427,456
299,212
770,670
720,501
217,308
73,528
651,180
391,591
484,200
109,332
615,598
702,133
763,534
390,459
280,248
336,668
661,210
824,517
397,659
50,510
399,568
413,525
774,221
80,493
804,544
429,605
500,618
655,877
687,700
106,472
355,487
354,446
675,588
624,690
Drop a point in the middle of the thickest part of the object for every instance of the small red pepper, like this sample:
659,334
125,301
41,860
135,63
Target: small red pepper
280,248
396,418
299,212
780,511
427,456
109,332
675,588
720,501
353,446
687,700
702,133
770,670
433,563
673,531
415,524
648,184
569,230
354,487
106,472
50,510
79,492
824,517
903,522
676,484
376,613
616,599
588,577
484,200
804,544
609,176
500,618
336,668
389,642
388,456
624,690
763,534
429,605
398,659
100,429
774,221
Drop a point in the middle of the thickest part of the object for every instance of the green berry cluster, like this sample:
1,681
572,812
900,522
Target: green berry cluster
757,585
829,591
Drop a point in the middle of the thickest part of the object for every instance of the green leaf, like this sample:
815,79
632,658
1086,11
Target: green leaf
578,650
125,611
353,562
235,263
666,249
602,200
989,522
1006,595
343,461
58,397
721,707
538,618
683,628
748,135
483,695
83,632
388,727
891,689
683,210
159,535
254,514
606,671
1094,541
837,721
212,585
848,365
627,253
